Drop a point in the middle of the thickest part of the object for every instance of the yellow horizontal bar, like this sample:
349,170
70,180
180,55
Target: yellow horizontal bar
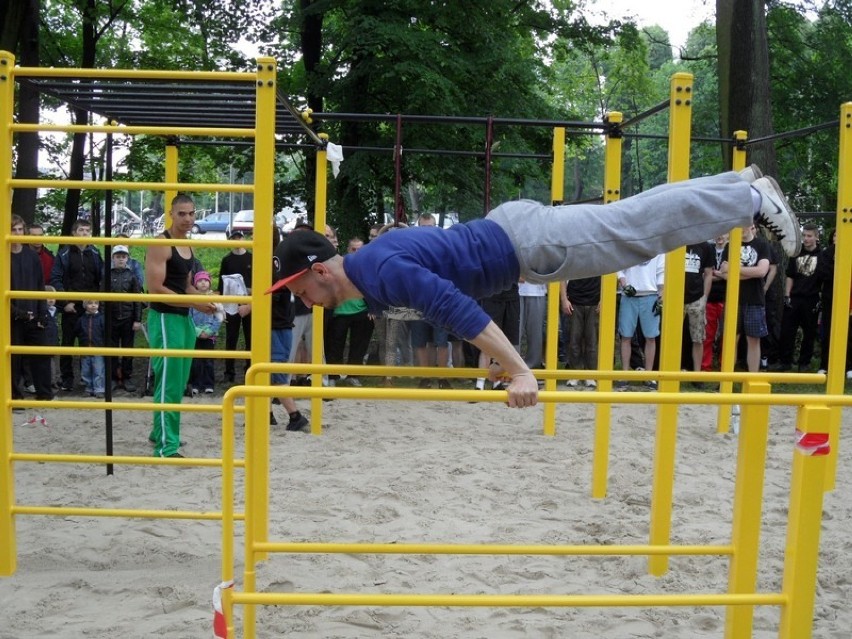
141,74
127,241
16,183
60,511
119,459
486,549
510,601
433,371
558,397
134,130
114,351
100,404
126,297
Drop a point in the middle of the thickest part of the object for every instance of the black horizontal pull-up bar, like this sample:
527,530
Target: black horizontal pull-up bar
455,119
646,114
794,133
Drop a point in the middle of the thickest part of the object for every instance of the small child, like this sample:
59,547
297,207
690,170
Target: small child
90,332
201,375
51,331
126,317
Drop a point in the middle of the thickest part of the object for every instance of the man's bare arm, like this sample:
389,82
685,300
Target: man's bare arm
523,387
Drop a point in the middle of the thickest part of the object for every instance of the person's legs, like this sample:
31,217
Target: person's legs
626,348
169,331
555,243
789,327
532,317
754,326
232,335
590,320
360,332
714,312
98,373
66,362
696,314
808,320
87,373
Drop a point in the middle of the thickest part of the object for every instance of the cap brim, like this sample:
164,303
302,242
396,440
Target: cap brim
284,282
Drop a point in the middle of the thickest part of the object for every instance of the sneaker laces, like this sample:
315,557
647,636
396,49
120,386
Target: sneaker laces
771,226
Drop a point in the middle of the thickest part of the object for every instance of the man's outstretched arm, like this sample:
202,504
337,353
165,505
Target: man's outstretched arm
523,387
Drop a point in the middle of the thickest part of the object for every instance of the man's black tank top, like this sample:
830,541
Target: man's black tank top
178,269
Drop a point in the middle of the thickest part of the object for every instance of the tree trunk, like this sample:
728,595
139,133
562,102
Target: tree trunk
310,37
744,93
78,146
24,200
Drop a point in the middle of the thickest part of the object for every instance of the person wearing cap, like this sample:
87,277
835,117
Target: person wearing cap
125,317
235,279
168,271
442,272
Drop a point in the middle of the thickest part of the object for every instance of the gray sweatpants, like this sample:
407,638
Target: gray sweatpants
555,243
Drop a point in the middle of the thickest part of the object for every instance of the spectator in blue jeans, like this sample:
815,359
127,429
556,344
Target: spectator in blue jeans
90,332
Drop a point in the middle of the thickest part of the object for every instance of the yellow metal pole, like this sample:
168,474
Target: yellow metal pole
228,506
321,197
557,195
257,409
732,298
8,549
810,459
748,503
606,327
680,110
842,286
171,177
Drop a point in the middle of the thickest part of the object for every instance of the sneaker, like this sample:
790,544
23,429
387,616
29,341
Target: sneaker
764,363
66,386
751,173
776,216
272,420
652,384
194,392
299,424
208,391
822,371
30,389
444,384
425,383
354,381
848,374
130,387
590,383
175,456
619,385
571,383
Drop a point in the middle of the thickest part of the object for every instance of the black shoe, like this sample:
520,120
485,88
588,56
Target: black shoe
272,420
130,387
66,386
444,384
425,383
298,424
175,456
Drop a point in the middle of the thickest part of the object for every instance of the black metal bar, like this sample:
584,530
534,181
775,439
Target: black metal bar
795,133
646,114
453,119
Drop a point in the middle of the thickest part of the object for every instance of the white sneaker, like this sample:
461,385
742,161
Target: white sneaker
776,216
590,383
822,371
848,374
751,173
571,383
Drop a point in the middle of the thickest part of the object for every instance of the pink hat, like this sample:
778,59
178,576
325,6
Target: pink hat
201,275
